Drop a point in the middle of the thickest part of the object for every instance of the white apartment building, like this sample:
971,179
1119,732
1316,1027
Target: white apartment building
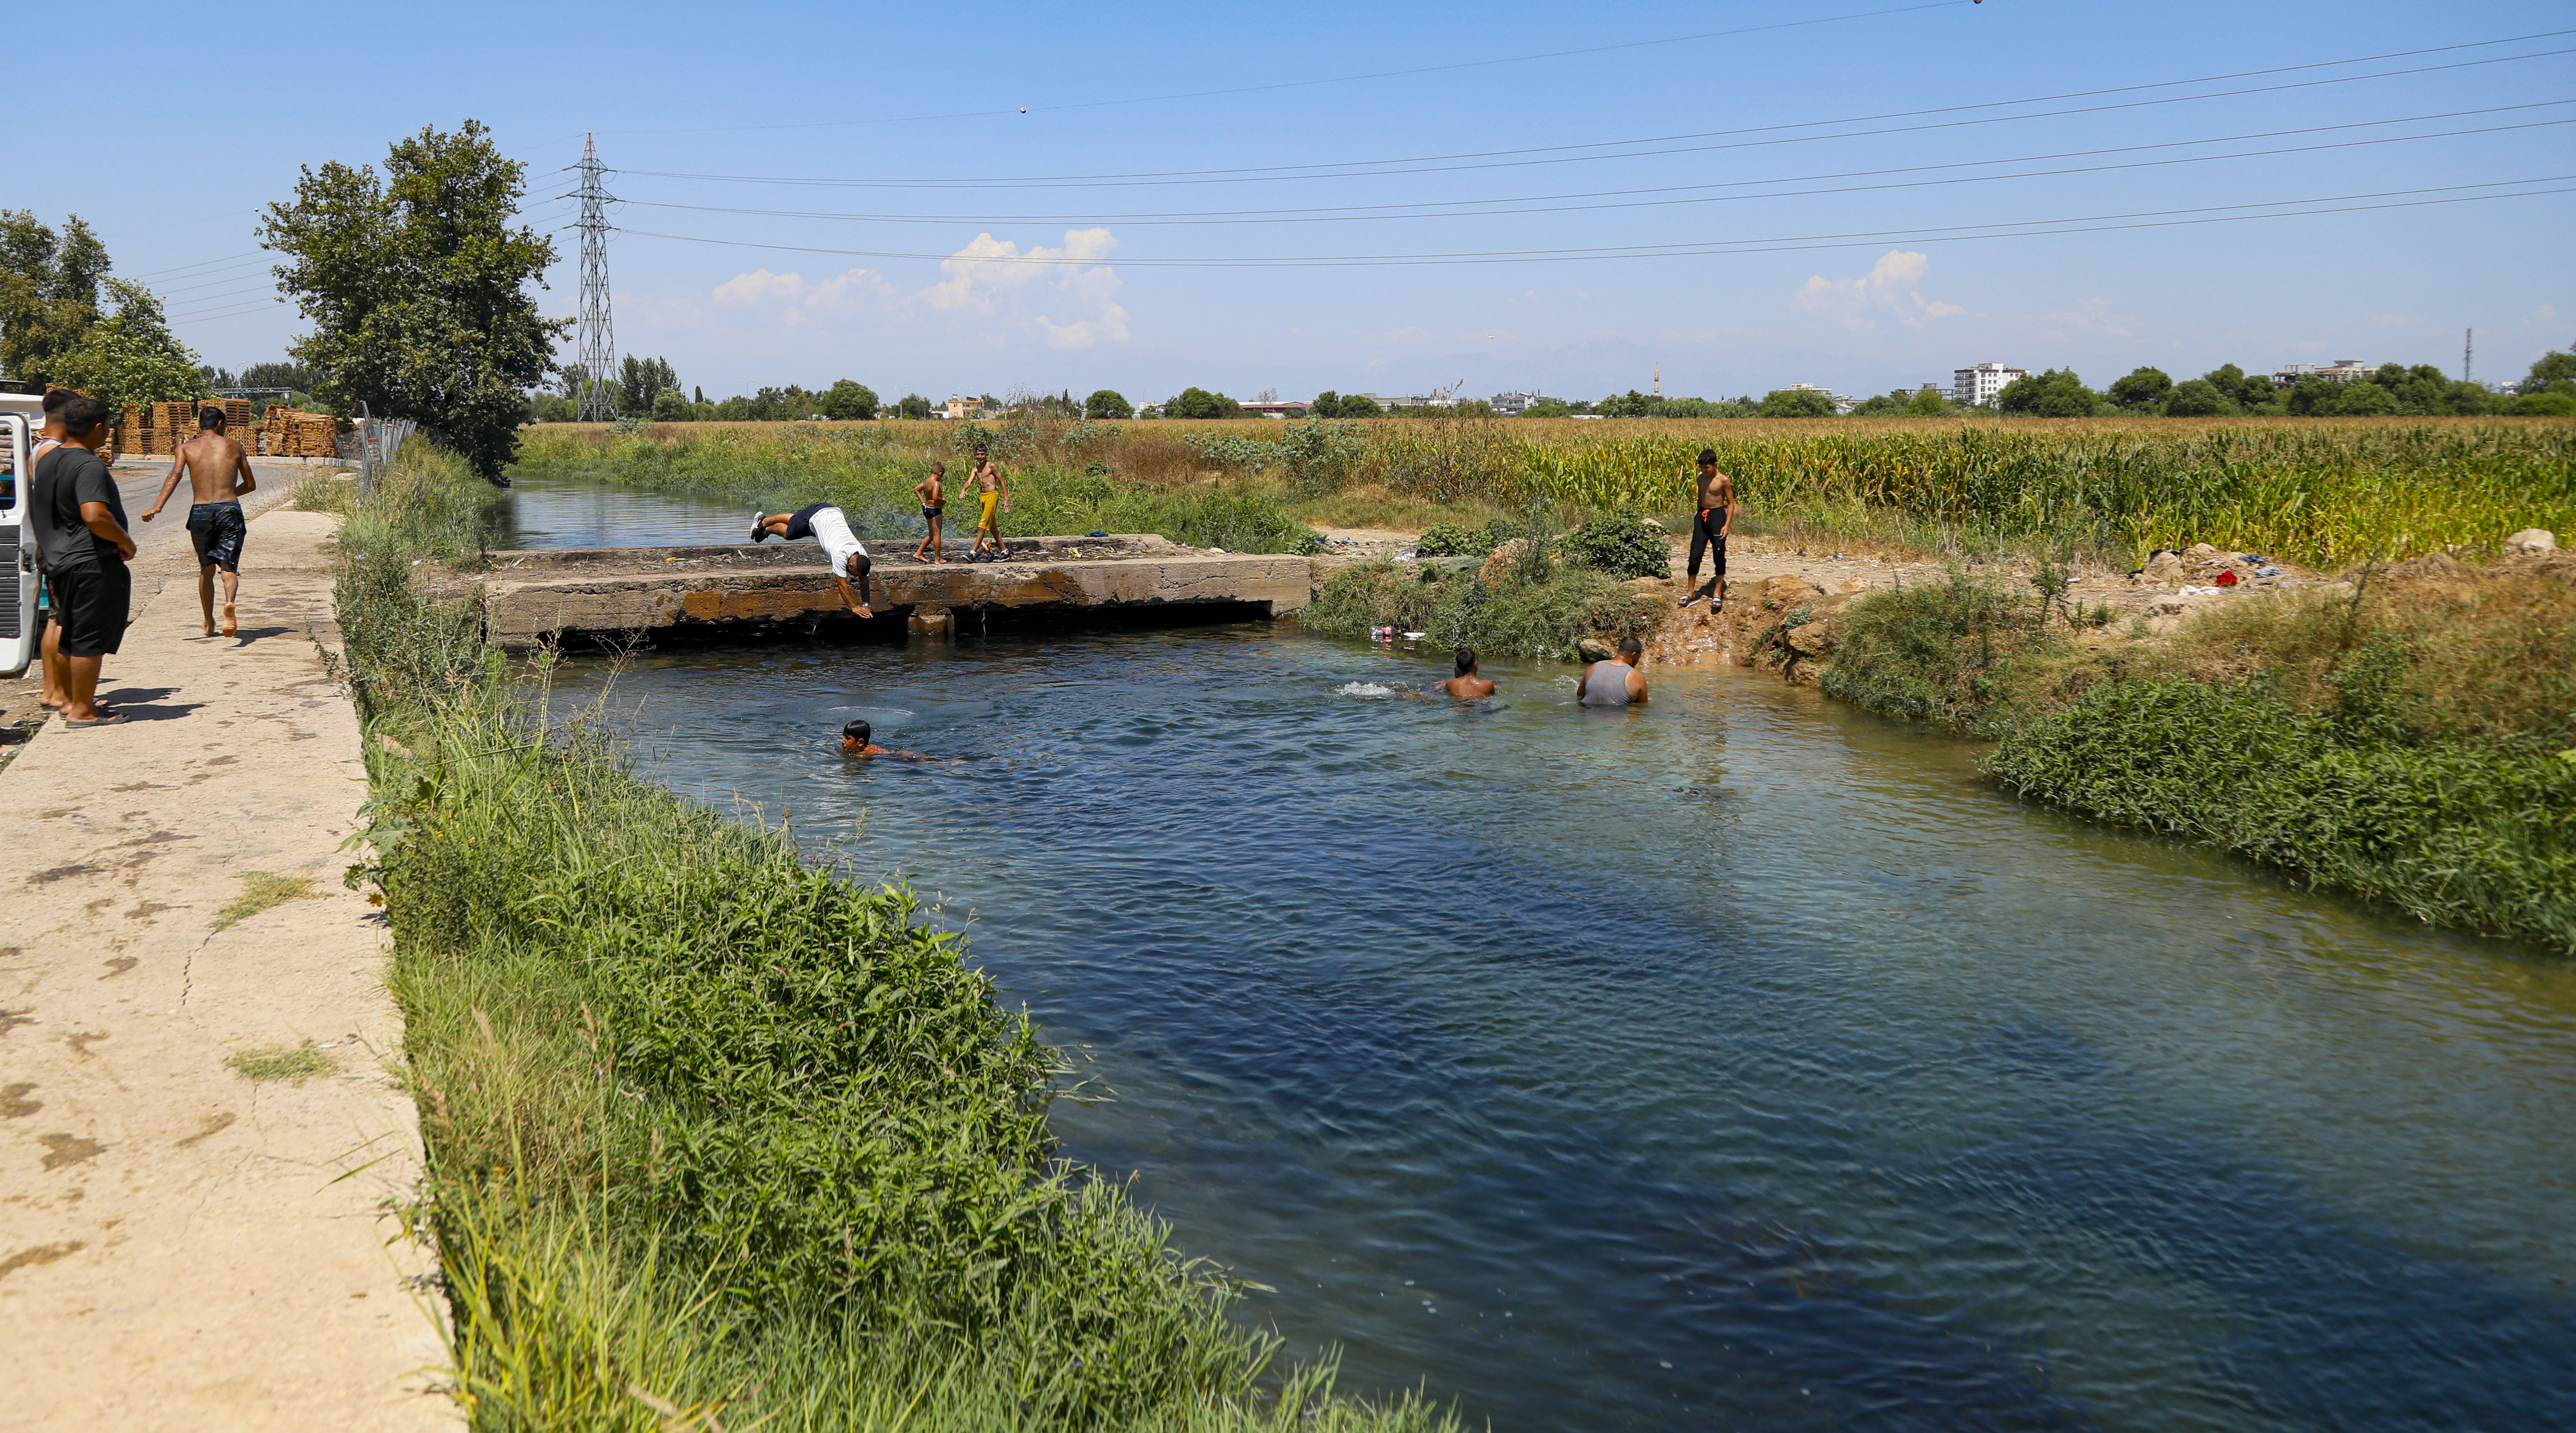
2342,370
1976,387
1512,405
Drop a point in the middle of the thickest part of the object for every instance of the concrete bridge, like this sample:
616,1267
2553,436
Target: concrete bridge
531,598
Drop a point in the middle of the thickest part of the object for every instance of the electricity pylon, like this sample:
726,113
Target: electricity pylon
595,339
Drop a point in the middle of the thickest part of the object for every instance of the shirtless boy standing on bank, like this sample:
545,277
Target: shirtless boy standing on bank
991,491
1712,513
218,475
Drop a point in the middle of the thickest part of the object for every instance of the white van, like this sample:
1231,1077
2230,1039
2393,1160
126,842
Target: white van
21,414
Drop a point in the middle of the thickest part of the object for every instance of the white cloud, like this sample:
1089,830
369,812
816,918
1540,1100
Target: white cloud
2092,316
2546,313
1062,297
1888,288
2389,320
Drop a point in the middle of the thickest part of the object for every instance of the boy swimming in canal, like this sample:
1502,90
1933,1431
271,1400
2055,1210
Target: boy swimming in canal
842,550
857,743
1468,685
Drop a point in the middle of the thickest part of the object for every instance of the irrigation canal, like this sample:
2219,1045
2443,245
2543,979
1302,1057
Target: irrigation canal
1740,1061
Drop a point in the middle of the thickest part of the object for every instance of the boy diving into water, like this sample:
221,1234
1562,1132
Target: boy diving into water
842,551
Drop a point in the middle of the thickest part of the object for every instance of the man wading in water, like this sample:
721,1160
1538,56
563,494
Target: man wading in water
842,551
218,477
1617,682
1713,512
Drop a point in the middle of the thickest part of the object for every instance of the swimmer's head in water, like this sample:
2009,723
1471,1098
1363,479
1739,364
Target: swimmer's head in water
854,737
1708,457
1630,649
1466,660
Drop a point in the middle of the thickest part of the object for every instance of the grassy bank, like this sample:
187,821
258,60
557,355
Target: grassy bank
2412,739
2321,492
711,1130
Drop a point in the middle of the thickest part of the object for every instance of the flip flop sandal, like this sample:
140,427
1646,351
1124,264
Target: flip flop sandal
104,719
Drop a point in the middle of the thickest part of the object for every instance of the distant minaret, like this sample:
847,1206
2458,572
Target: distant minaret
1659,380
2468,354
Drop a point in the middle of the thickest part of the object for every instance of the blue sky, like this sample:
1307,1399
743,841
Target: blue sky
197,118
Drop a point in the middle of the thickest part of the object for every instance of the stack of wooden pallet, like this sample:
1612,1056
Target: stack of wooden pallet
293,433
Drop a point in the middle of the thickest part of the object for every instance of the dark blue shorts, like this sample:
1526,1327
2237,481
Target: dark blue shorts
218,530
800,523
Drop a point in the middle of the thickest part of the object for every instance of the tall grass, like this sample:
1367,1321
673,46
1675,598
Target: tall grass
1518,613
716,1135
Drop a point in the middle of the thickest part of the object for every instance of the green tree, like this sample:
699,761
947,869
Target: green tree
1793,403
418,289
1884,405
2551,370
1355,405
671,406
2195,398
2143,388
849,398
48,292
641,380
1108,403
1927,403
131,358
2056,393
291,377
1199,403
2249,391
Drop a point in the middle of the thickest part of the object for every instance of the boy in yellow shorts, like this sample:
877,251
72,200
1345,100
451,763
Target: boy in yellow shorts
992,491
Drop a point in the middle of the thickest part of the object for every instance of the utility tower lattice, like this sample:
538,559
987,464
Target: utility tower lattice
595,338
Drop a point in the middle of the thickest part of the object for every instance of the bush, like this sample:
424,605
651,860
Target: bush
1107,405
1448,539
2482,836
1622,545
1931,651
2194,398
1517,615
1199,403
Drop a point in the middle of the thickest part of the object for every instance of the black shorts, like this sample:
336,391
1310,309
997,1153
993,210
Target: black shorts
932,514
218,530
800,523
90,602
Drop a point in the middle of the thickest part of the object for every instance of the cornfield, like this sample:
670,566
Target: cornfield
2325,493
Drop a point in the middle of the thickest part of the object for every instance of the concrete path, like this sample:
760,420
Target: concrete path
183,1246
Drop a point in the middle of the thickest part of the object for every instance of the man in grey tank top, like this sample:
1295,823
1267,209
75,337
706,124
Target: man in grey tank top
1615,683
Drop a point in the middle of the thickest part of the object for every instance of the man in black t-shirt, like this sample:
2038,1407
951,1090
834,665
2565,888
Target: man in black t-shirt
79,520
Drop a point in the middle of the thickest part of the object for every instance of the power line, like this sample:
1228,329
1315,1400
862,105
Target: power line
202,263
1438,164
2022,229
1458,208
1311,83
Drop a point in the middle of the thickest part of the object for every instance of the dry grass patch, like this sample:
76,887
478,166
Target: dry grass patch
292,1063
261,890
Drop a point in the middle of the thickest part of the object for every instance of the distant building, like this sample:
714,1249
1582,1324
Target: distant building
2342,370
1274,407
1843,403
1976,387
961,409
1393,402
1512,405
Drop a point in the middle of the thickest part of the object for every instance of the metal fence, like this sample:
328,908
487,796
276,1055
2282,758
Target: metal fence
378,440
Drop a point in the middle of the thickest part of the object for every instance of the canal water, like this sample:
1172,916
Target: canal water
1742,1060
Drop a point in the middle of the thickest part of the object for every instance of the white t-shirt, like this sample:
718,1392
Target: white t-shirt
833,531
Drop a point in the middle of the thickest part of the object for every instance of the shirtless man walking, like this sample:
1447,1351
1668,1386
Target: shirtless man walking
218,477
990,491
1712,513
